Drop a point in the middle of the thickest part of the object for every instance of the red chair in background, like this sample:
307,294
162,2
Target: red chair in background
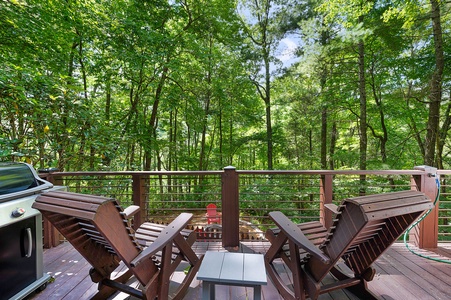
212,215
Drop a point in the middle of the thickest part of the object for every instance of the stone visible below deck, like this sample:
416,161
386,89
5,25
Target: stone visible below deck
400,275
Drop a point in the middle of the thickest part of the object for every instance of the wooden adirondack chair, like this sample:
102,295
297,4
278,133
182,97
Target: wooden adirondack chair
98,228
212,215
363,229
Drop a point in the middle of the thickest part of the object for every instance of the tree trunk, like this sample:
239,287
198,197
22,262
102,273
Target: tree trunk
383,138
202,155
443,134
324,41
333,142
108,100
363,123
362,96
152,125
262,39
435,95
324,139
267,99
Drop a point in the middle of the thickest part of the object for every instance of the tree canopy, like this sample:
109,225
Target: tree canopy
199,85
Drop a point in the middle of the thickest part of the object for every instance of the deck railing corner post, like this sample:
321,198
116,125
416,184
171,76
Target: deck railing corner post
326,197
425,235
138,198
230,208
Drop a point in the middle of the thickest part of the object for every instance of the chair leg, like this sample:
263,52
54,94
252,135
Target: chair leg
283,290
296,270
192,259
168,266
277,242
311,287
104,291
184,285
150,290
360,290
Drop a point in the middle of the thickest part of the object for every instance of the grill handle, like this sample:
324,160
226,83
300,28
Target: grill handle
30,243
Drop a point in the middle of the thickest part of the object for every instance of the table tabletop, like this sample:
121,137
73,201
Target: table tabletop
233,268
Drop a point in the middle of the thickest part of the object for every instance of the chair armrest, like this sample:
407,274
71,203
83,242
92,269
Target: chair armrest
332,207
131,211
165,238
295,235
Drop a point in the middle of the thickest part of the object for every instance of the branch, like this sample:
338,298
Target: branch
259,88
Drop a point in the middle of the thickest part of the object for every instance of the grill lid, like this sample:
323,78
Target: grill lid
15,177
19,179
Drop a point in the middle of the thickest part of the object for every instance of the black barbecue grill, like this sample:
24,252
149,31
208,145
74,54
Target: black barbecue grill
21,253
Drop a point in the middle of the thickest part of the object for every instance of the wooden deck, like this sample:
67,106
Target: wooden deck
400,275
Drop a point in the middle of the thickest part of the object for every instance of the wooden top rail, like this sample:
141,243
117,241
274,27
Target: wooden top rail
232,182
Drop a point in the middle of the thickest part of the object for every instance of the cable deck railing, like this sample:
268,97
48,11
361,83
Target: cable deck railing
245,197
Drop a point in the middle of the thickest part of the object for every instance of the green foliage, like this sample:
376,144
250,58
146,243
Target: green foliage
131,85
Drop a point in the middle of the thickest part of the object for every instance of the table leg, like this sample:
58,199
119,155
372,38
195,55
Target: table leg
208,291
257,292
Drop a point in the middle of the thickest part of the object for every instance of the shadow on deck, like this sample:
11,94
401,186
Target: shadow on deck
400,275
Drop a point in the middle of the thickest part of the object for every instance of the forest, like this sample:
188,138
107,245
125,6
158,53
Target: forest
200,85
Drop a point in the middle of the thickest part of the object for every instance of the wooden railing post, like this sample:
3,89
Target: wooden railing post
57,180
326,196
138,197
230,209
52,237
425,234
50,176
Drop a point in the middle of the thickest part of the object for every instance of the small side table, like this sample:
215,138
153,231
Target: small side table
226,268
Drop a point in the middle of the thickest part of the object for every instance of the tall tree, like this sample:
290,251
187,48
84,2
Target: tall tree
435,93
352,15
261,30
161,84
302,19
414,13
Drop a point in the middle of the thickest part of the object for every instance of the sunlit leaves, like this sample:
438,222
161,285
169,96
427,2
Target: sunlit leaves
345,12
118,83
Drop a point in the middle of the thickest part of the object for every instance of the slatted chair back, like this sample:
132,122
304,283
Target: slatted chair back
314,231
365,227
97,228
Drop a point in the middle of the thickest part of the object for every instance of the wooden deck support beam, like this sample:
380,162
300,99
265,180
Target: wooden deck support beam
139,199
425,234
230,209
326,197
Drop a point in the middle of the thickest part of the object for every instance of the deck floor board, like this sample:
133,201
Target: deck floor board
400,275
